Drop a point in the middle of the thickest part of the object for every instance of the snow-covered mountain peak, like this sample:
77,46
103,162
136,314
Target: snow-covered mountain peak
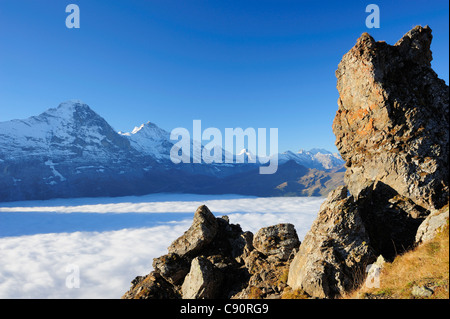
72,104
147,130
316,151
314,158
69,111
247,154
244,151
151,140
70,150
71,129
137,129
289,153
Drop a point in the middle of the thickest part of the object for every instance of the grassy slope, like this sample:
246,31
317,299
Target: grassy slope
426,265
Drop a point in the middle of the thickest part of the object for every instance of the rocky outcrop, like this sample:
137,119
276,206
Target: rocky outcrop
277,241
432,225
392,130
216,259
203,280
392,124
268,264
335,249
201,233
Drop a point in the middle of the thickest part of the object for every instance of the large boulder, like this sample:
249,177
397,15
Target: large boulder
432,225
268,276
172,267
202,231
392,124
268,263
335,249
278,240
203,280
349,233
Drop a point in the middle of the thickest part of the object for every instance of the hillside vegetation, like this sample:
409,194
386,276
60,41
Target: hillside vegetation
422,272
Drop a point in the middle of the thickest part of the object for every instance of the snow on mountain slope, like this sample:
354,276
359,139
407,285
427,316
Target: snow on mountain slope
70,130
150,140
74,130
71,151
315,158
68,151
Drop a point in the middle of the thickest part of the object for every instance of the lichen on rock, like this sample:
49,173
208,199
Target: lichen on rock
392,124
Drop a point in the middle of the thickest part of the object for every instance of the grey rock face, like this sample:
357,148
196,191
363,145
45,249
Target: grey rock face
421,291
390,220
202,231
278,240
152,286
203,280
335,249
347,235
392,130
432,225
171,267
392,124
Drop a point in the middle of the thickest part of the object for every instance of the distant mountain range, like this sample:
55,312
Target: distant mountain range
71,151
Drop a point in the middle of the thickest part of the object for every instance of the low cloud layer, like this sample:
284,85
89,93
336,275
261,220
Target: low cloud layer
37,266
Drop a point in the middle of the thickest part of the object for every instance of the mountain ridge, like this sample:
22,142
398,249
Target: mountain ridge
71,151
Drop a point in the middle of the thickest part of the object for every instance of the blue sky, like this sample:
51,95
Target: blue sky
231,63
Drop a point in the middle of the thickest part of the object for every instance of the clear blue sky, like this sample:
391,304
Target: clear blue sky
232,63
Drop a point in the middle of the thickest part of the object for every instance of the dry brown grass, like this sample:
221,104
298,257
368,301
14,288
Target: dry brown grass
426,265
255,293
288,293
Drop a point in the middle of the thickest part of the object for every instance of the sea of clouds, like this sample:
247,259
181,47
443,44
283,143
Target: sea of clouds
112,240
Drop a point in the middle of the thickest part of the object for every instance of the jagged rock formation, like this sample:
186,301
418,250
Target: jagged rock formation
268,264
392,124
336,247
202,231
277,241
216,259
392,129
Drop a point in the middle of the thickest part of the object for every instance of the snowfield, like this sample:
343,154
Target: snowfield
107,242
